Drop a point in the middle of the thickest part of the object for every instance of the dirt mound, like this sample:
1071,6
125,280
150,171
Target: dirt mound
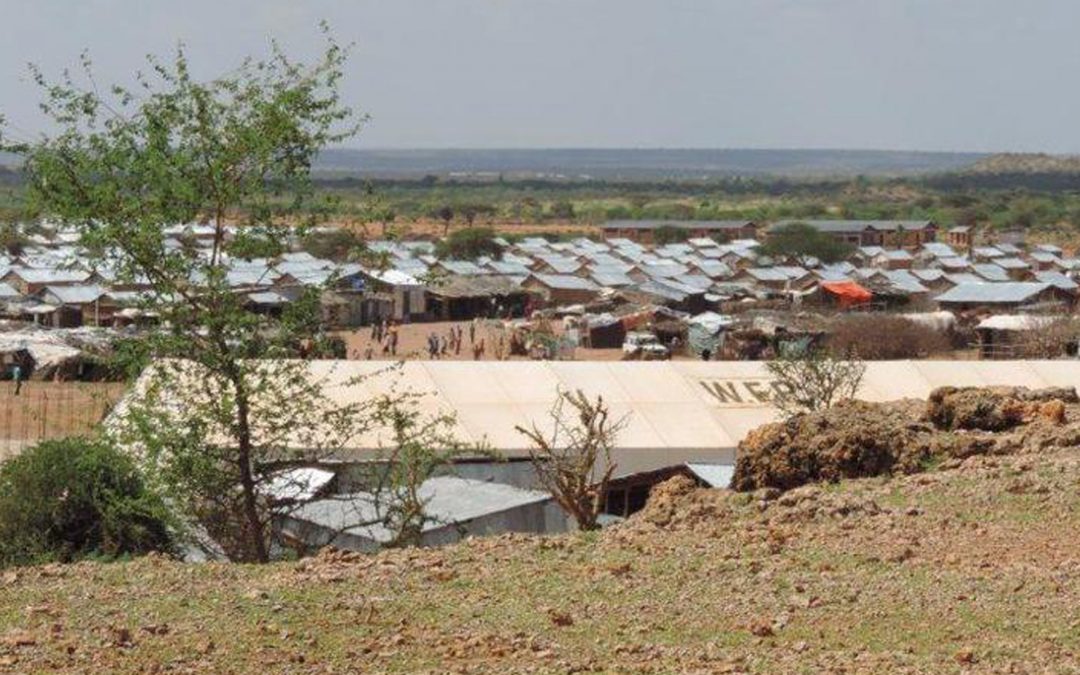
852,439
996,408
858,439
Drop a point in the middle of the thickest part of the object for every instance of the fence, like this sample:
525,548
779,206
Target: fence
44,410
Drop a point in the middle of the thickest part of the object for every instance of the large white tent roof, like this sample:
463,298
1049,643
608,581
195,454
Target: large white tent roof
675,411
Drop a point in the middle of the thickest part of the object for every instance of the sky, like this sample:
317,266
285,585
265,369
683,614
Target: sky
957,75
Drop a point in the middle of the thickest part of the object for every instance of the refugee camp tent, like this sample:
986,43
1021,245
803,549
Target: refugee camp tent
676,411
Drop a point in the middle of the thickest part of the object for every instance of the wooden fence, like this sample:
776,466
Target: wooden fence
43,410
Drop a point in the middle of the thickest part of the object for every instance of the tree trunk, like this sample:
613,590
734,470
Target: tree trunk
255,543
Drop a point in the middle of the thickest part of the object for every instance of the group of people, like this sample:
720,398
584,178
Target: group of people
440,346
385,334
384,337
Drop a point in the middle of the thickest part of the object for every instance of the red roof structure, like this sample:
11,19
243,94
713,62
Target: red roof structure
848,293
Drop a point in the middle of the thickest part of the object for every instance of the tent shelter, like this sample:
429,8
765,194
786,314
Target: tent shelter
676,411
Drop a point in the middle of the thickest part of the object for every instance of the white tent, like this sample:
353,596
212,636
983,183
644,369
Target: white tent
676,411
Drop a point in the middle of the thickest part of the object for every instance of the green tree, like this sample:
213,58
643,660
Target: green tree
562,210
471,210
799,240
74,498
669,234
444,213
469,244
336,243
234,152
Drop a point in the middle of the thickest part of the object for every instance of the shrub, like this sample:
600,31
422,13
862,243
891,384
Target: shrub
877,337
669,234
74,498
799,240
333,244
812,381
469,244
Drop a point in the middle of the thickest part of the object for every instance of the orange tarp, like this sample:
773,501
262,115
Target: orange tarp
847,292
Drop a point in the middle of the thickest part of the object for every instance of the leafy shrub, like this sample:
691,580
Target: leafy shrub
74,498
469,244
332,244
669,234
800,240
879,337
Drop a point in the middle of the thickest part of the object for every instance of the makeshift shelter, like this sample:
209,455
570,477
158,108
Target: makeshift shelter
1004,336
628,494
603,331
463,298
455,507
846,294
705,332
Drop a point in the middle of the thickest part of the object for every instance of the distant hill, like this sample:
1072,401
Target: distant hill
626,163
629,163
1028,163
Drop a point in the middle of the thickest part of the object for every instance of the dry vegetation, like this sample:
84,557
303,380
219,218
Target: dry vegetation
971,566
878,337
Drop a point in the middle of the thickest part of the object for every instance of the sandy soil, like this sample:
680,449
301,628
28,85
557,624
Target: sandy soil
964,569
412,343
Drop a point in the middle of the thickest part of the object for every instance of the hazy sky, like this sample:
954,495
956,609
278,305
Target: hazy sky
898,74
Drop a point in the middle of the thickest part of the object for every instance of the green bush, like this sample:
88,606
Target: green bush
669,234
469,244
74,498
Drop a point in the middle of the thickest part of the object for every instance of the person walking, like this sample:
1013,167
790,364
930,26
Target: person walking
16,375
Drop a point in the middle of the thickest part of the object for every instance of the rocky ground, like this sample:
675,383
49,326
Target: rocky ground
971,564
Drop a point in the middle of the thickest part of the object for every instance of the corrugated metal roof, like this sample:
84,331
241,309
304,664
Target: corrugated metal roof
939,250
1056,279
665,270
565,282
611,278
905,281
73,295
47,276
447,500
928,274
713,475
1012,263
766,274
1009,292
990,271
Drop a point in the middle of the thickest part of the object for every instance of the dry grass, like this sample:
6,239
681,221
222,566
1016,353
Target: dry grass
969,568
877,337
